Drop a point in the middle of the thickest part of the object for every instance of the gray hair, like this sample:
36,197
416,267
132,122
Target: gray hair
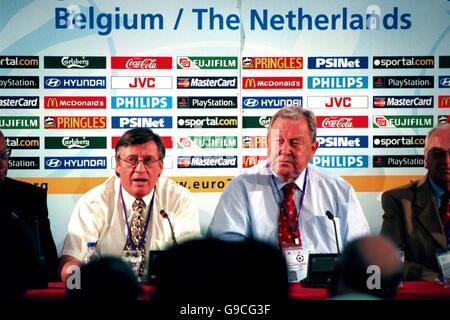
433,131
296,113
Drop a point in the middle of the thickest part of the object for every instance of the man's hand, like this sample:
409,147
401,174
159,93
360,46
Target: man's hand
65,263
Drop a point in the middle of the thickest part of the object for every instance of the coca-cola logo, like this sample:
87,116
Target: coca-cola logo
136,63
337,122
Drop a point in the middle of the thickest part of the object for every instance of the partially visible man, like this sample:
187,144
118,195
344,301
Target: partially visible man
417,215
284,201
28,204
369,268
124,212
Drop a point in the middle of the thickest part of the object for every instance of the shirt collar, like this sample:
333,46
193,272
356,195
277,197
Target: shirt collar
281,183
437,191
129,199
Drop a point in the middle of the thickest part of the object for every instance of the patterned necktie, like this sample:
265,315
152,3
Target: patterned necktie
137,230
284,226
444,212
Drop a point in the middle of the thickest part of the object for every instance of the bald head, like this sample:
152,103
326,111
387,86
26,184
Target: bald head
377,250
352,272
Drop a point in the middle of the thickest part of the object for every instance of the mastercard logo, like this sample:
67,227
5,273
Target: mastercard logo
183,83
379,102
184,162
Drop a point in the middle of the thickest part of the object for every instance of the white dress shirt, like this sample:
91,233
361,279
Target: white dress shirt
98,216
250,208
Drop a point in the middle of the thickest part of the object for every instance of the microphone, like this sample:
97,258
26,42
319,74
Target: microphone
166,216
331,217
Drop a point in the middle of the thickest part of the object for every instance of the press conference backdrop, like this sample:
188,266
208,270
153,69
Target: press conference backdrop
207,76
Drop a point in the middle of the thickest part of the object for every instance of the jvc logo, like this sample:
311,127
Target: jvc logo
140,82
339,102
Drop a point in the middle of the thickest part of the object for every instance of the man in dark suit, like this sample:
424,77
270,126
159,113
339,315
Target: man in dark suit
416,216
28,204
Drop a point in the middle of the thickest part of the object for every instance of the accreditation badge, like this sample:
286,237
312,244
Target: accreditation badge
133,259
297,262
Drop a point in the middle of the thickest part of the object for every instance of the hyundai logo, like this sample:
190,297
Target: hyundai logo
53,82
445,82
53,163
251,102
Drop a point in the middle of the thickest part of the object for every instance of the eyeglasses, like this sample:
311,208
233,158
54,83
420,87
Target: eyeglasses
5,154
438,152
132,162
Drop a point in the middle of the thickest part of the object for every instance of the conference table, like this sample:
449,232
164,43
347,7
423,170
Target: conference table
410,290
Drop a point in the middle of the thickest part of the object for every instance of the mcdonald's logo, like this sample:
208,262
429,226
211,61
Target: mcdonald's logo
250,161
272,82
68,102
250,83
444,102
51,103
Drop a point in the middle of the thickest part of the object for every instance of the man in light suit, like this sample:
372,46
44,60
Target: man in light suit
416,216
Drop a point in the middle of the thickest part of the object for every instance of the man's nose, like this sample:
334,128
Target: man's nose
285,148
140,166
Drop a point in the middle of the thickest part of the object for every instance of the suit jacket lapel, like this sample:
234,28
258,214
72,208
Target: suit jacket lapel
428,214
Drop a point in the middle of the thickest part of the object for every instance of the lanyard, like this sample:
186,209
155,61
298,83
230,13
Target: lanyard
147,221
293,226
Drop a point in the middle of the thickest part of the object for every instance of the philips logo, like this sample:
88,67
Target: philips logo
270,102
338,62
343,141
141,102
356,82
341,161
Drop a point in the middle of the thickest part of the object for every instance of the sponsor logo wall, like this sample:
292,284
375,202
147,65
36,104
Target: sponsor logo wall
211,95
329,108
